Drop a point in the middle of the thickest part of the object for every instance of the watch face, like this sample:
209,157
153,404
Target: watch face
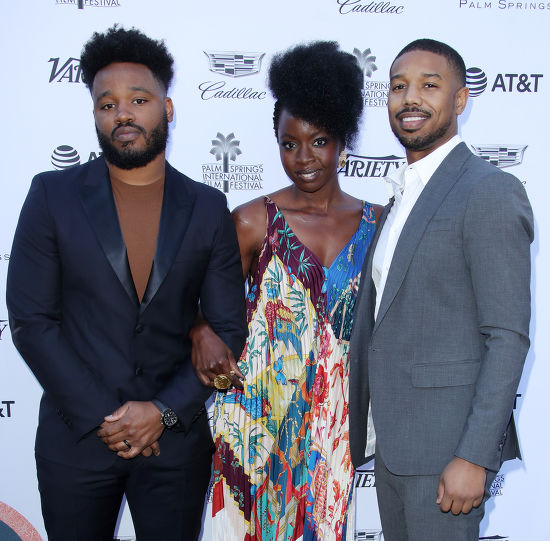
169,418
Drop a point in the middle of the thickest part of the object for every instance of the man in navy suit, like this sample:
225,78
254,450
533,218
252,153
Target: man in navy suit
109,263
442,320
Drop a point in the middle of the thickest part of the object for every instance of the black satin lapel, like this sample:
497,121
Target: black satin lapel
444,178
177,206
99,205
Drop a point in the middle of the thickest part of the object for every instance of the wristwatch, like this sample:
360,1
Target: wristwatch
168,416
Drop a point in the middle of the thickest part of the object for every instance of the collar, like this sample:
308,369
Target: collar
423,168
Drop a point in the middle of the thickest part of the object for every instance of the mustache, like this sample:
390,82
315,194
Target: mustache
412,110
128,124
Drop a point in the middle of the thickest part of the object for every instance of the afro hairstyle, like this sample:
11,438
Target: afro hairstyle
438,47
120,45
320,84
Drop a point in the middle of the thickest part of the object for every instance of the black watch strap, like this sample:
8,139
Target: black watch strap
168,417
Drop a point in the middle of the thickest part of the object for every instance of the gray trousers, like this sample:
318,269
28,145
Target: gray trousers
409,512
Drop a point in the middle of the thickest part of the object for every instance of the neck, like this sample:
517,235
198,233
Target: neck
321,200
415,155
140,176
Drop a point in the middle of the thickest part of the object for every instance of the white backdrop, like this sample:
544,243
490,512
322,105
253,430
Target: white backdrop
47,118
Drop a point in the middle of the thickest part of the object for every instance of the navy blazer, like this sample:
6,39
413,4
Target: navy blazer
76,320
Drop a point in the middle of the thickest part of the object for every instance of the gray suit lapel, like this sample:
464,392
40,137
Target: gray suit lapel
442,181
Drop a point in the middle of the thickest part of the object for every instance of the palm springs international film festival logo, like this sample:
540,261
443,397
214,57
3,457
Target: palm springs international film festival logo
3,326
375,93
228,176
507,83
65,156
233,65
81,4
500,155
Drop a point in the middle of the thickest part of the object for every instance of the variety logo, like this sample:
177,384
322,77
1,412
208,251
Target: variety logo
368,535
81,4
356,6
375,93
6,409
497,485
371,166
500,155
226,176
504,4
234,65
65,156
3,326
476,81
67,71
14,525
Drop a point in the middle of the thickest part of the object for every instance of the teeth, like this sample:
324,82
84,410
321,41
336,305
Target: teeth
412,118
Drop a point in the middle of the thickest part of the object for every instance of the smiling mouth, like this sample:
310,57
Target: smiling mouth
308,174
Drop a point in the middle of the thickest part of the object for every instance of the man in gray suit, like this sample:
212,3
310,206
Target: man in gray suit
441,329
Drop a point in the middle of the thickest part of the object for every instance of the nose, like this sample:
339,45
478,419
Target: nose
123,115
304,154
412,96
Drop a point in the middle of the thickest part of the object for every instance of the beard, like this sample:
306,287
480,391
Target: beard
420,142
128,157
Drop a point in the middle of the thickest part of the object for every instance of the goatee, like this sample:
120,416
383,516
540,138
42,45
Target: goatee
128,157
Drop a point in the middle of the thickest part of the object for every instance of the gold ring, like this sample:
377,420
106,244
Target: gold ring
222,382
127,444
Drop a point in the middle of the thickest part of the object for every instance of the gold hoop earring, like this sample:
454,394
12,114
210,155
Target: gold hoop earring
342,159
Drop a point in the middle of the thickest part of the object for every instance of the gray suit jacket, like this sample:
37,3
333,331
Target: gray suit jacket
442,362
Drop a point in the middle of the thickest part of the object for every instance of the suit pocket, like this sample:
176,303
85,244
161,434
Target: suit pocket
445,374
439,224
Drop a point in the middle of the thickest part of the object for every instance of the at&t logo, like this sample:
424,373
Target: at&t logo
6,408
477,82
65,156
226,176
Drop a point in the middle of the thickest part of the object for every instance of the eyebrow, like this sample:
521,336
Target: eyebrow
425,75
132,88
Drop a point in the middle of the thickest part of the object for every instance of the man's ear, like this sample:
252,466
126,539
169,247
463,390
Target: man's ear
461,99
169,109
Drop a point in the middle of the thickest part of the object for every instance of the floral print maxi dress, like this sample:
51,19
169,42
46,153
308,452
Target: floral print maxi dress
282,468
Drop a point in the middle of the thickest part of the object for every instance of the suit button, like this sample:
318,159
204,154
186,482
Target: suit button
139,328
139,371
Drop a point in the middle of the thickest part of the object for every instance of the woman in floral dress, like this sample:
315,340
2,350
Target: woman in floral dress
282,467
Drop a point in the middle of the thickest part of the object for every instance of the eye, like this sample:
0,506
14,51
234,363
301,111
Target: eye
398,86
430,85
288,145
107,106
140,101
320,142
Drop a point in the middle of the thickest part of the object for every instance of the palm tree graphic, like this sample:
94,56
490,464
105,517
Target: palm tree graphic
225,148
366,61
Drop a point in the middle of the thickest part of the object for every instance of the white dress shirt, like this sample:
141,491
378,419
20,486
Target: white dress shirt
406,186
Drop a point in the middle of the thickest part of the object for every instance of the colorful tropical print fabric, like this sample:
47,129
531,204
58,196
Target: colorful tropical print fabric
282,467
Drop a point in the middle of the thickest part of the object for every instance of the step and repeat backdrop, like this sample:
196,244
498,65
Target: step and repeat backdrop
222,135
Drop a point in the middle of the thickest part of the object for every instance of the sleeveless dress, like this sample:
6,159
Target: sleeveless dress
282,467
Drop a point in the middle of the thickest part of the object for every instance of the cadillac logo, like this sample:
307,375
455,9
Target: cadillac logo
234,64
501,155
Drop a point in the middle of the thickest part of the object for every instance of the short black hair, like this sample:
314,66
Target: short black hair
321,85
438,47
120,45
